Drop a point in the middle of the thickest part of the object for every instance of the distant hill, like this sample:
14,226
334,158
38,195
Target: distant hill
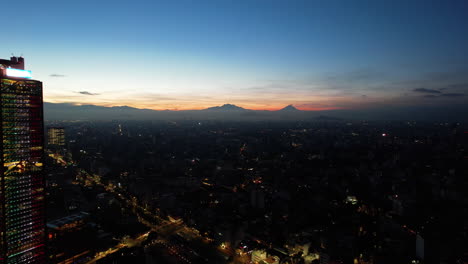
64,111
226,107
289,108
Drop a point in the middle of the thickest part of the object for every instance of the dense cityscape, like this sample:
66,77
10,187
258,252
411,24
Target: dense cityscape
234,132
236,192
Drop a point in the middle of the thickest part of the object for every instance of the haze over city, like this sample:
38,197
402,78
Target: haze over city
260,55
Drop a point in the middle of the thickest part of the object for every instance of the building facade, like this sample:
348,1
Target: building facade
22,183
56,136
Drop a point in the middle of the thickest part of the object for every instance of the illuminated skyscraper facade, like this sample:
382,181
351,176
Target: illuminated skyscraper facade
22,215
56,136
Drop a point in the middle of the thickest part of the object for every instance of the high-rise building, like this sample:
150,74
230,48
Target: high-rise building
56,136
22,215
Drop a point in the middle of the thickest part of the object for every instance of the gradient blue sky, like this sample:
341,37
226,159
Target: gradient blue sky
260,54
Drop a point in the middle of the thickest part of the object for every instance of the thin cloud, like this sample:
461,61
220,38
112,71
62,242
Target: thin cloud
87,93
56,75
425,90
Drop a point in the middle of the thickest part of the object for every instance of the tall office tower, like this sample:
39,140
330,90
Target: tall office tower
56,136
22,216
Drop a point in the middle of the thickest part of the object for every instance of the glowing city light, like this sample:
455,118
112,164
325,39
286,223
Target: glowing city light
18,73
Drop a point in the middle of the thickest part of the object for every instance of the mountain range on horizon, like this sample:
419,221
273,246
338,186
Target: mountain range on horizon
224,107
67,111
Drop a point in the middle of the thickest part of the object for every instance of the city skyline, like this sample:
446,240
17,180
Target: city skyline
259,55
234,132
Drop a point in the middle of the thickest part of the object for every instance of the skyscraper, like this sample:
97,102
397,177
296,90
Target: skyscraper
56,136
22,216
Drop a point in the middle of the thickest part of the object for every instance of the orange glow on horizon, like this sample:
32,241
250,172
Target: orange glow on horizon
195,106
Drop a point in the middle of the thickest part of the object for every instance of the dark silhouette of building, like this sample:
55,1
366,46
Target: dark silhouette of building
22,221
